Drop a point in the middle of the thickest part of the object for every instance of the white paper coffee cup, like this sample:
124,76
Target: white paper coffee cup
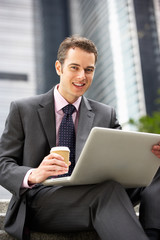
63,151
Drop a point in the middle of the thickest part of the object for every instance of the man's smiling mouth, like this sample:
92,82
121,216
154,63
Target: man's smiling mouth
79,84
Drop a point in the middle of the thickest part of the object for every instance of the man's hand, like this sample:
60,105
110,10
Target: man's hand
156,150
52,165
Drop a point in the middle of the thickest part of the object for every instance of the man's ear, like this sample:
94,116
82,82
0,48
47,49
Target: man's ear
58,67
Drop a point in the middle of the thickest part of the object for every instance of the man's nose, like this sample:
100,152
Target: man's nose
82,74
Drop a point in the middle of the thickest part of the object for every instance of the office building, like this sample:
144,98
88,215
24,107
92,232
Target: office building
31,32
147,20
118,79
17,65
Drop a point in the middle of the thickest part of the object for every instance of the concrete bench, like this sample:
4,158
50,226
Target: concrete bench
43,236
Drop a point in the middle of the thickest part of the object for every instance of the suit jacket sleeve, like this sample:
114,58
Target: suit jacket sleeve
11,153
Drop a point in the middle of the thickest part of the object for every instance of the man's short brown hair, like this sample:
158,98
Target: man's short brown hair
76,41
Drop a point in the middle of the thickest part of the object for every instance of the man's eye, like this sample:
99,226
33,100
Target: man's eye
74,68
89,70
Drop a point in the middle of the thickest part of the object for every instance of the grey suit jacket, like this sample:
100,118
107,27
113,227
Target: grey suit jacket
29,134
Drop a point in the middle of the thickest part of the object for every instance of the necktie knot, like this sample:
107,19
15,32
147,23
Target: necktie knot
69,109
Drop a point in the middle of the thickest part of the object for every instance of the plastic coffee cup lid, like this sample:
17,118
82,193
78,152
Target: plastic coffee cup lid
60,149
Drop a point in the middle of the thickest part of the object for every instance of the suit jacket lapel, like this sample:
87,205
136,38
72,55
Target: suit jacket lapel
85,124
47,117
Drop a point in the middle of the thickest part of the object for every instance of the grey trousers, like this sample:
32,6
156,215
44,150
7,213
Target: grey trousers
104,207
150,201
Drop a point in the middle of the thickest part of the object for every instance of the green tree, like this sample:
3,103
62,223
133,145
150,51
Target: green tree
150,124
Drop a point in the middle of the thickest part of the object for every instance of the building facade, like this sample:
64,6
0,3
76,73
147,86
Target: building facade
30,33
118,79
147,16
17,65
126,33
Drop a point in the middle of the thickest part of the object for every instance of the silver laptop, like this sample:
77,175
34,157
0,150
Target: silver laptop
117,155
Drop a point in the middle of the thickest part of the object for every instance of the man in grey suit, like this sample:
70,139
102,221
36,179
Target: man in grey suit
32,128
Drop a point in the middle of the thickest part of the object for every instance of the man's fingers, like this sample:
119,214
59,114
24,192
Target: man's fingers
55,155
55,167
54,161
156,147
156,150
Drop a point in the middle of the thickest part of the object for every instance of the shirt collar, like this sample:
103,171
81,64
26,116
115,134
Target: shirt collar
60,102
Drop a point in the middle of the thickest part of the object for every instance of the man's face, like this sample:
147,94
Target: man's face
76,74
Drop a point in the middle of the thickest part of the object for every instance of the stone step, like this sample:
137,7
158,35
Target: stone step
56,236
5,236
4,205
44,236
65,236
2,217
